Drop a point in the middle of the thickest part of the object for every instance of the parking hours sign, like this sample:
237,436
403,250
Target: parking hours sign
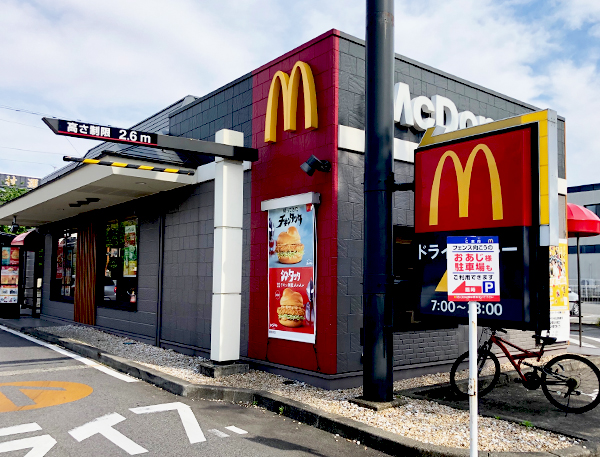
473,268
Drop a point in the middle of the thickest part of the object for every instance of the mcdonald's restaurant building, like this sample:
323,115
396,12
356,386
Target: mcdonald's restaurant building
255,261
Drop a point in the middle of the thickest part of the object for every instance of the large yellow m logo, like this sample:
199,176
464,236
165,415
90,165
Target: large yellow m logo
463,180
288,85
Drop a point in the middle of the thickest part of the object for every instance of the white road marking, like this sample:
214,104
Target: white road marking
25,428
103,425
219,433
40,445
40,370
234,429
585,345
91,363
592,338
190,424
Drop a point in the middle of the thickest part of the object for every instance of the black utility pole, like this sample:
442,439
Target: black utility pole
379,183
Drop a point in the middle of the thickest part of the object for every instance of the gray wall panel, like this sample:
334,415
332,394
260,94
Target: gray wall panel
229,107
187,281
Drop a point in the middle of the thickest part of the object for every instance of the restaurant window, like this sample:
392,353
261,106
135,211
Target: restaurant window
63,282
120,265
406,289
594,209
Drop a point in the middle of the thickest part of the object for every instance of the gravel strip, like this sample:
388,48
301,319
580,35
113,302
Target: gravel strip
422,420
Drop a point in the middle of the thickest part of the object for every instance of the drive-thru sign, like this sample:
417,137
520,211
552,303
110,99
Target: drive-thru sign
486,213
487,197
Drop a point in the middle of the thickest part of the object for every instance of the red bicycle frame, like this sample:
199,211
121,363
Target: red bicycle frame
525,354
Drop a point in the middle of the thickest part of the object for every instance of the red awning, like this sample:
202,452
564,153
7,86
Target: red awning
580,221
19,240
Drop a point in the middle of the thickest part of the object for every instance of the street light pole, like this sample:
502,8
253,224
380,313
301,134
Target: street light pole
378,192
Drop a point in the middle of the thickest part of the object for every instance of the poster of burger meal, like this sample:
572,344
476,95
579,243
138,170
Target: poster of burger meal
9,275
291,253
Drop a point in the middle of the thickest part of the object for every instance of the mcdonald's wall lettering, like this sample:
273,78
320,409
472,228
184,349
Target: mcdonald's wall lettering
480,183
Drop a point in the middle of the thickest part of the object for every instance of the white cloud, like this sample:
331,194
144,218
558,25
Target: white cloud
576,13
479,41
576,95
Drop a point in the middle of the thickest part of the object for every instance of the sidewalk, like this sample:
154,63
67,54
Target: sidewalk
588,319
371,436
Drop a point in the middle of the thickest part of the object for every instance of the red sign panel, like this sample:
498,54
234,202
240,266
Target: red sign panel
477,183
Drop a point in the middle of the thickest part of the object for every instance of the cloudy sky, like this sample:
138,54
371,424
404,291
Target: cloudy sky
117,62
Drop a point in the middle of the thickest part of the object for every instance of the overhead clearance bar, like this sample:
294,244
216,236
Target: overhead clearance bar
148,139
110,163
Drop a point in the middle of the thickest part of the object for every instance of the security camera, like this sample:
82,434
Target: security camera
313,164
14,226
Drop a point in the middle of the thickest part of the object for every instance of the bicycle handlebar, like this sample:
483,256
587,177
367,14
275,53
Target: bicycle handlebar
498,330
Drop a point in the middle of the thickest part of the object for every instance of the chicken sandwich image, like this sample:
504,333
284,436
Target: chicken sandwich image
289,249
291,309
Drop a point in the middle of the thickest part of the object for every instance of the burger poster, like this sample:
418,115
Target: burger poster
291,253
10,256
9,275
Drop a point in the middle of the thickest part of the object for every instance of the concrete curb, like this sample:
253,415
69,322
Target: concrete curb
375,438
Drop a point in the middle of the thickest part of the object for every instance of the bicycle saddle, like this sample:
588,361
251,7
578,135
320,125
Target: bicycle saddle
544,339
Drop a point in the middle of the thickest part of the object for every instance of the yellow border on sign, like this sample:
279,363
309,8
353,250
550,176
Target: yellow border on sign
540,117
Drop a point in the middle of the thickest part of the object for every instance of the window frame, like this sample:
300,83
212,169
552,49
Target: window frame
102,253
56,284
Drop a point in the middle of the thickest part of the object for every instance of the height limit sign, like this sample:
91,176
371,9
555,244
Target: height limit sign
473,268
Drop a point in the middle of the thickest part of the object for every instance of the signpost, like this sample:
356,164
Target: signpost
473,274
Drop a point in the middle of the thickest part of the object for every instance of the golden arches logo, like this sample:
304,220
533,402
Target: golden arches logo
288,86
463,181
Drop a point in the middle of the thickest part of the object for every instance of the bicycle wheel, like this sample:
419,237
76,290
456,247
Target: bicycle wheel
571,383
488,369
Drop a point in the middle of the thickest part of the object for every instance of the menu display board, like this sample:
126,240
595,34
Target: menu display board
60,258
559,292
9,275
291,257
130,249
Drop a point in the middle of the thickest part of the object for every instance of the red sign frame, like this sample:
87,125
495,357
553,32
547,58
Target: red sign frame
479,183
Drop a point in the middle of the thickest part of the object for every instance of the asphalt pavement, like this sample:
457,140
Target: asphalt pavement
100,411
56,403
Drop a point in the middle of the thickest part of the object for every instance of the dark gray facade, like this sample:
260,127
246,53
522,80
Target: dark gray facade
229,107
419,349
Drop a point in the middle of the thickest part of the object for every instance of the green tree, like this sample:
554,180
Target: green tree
8,193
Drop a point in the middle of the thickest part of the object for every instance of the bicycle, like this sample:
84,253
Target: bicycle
570,382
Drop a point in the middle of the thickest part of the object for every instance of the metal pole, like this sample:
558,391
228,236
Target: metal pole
379,179
473,377
579,289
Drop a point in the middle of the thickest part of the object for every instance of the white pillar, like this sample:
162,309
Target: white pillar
227,254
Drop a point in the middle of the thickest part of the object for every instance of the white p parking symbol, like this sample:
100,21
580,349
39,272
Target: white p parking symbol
489,287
